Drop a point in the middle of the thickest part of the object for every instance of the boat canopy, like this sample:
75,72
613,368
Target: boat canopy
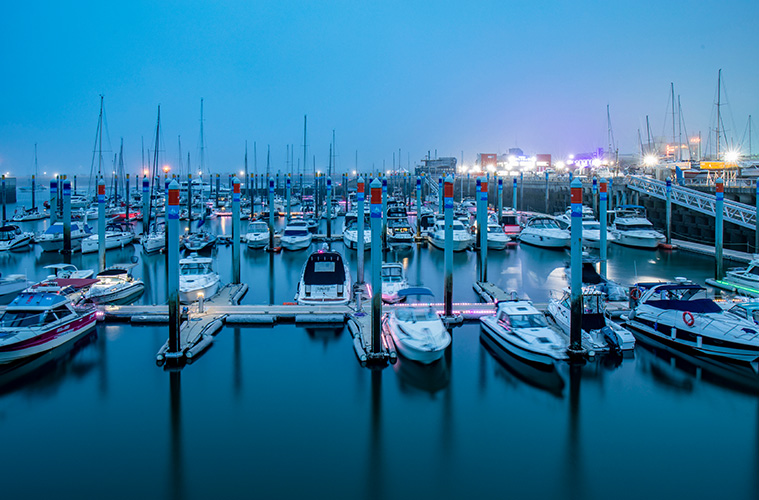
694,306
324,268
30,300
415,291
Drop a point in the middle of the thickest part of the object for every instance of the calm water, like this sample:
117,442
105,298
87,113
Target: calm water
287,412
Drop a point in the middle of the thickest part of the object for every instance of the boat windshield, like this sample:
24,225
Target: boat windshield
527,321
296,232
25,319
458,226
414,314
634,227
258,227
591,225
194,268
392,274
494,229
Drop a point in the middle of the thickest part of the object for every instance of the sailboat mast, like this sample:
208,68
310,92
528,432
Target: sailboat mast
179,166
672,87
749,144
719,102
305,121
648,133
154,173
679,130
202,141
100,139
34,188
247,177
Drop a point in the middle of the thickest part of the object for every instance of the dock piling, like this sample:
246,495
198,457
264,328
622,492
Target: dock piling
604,222
376,216
5,217
172,233
594,192
448,249
718,228
440,194
67,220
53,201
288,189
482,214
419,207
478,207
189,201
101,224
499,204
546,175
360,236
669,211
145,205
575,328
271,214
514,193
384,213
236,230
329,208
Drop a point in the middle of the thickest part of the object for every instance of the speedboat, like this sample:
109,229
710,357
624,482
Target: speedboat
325,279
510,222
462,238
296,236
52,239
679,314
745,276
257,235
417,331
199,241
350,232
116,236
497,238
36,322
12,238
21,214
115,286
155,240
598,331
68,271
523,331
632,229
399,233
197,278
393,280
544,231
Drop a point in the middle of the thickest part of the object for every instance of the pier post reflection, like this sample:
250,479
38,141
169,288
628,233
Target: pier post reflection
375,475
176,473
237,363
271,278
573,469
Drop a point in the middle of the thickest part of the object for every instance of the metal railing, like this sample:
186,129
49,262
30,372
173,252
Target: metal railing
737,213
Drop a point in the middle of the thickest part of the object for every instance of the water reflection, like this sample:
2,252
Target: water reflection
375,472
176,467
324,335
414,377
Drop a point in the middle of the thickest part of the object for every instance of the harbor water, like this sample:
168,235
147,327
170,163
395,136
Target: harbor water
288,412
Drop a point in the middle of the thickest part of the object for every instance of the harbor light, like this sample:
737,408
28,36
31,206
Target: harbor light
732,156
166,169
145,172
650,160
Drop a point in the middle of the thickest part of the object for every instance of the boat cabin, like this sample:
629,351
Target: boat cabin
30,310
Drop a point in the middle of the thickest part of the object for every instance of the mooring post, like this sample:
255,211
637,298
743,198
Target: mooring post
172,252
611,189
126,206
53,201
440,194
604,222
114,195
5,218
546,175
669,211
166,183
271,214
499,204
575,324
67,219
478,207
514,193
384,212
288,189
329,208
218,184
419,207
236,231
360,236
719,214
484,229
521,189
189,202
101,223
376,216
448,248
145,205
468,187
594,193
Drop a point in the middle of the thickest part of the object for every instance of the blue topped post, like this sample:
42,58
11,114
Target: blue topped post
448,248
145,205
514,193
478,205
360,240
499,205
288,189
172,252
271,214
440,194
236,231
719,210
419,207
594,191
67,220
483,224
329,208
101,224
604,222
53,201
575,324
376,216
546,175
669,211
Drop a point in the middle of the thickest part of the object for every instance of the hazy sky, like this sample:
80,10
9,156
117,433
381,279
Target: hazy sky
476,76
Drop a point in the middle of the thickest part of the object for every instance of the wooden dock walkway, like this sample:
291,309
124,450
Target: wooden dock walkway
733,255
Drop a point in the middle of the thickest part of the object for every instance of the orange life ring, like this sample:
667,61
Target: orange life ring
688,318
635,293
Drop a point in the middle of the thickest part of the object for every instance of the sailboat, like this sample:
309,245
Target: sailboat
22,214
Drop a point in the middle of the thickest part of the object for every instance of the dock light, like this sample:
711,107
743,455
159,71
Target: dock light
732,156
166,169
650,160
145,172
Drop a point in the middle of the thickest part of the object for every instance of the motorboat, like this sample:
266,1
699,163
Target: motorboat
79,201
199,241
36,322
599,332
393,278
12,238
417,331
115,286
116,236
296,236
632,229
399,233
522,330
257,235
155,240
325,279
52,239
11,285
679,314
462,238
510,222
745,276
591,228
22,214
426,220
68,271
197,278
544,231
350,232
497,238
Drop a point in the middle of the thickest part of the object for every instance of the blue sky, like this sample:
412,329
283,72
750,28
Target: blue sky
451,76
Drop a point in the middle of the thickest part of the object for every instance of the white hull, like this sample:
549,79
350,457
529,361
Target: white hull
257,241
546,357
497,244
627,240
458,245
90,244
190,295
57,337
295,243
153,243
424,356
122,295
16,244
544,240
56,244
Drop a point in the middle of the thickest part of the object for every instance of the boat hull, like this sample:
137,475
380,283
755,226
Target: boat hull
544,358
295,244
425,357
48,340
123,296
189,296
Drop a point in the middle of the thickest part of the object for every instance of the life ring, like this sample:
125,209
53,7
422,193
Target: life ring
688,318
635,293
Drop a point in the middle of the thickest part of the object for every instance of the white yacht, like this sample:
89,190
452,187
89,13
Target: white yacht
462,238
745,276
632,229
52,239
591,228
544,231
393,280
325,279
598,331
115,286
155,240
679,315
116,236
399,234
296,236
350,232
417,331
12,238
523,331
197,278
21,214
68,271
257,235
199,241
497,237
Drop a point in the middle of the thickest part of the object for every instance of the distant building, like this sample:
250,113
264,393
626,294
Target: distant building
437,167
